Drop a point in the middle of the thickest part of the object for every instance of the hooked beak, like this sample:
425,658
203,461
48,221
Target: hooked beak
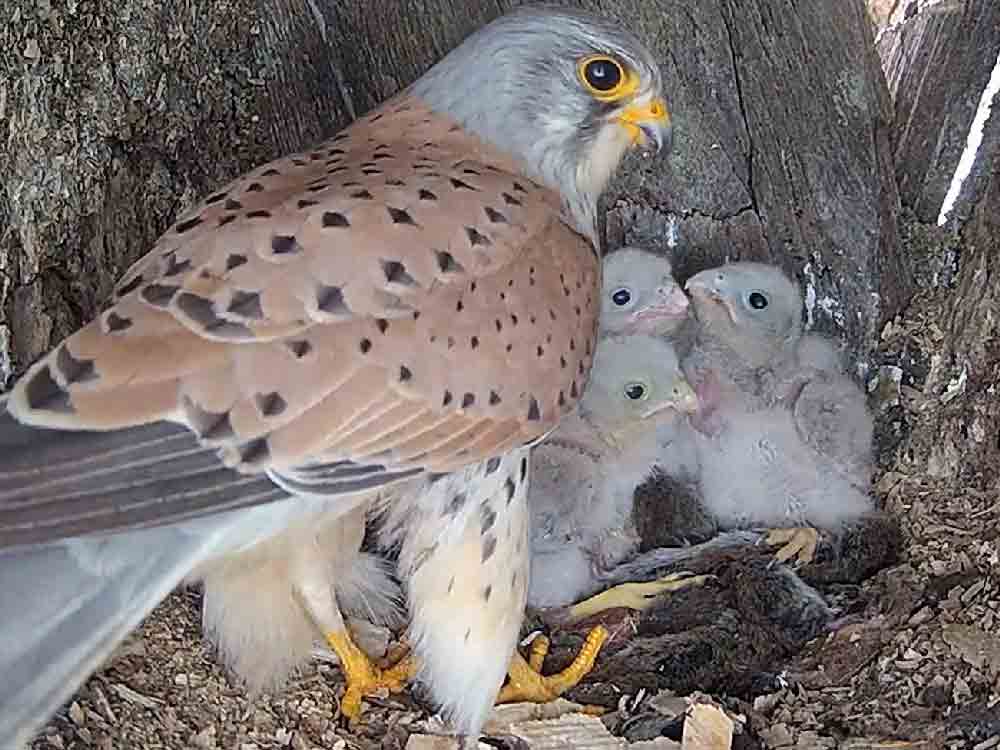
648,123
685,401
702,289
670,306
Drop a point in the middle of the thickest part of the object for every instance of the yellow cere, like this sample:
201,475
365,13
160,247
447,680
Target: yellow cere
632,116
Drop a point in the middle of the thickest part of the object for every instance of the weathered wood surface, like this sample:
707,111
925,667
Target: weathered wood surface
119,114
967,447
938,63
782,154
956,433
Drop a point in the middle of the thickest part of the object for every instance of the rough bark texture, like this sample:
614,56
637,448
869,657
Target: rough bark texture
968,426
956,436
938,63
119,114
782,155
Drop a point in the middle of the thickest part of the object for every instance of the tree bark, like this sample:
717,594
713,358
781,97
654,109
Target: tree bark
938,63
121,113
964,379
782,155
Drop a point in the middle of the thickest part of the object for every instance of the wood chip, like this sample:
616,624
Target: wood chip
977,647
438,742
570,730
504,717
667,703
76,714
104,705
128,694
707,728
777,736
205,739
973,591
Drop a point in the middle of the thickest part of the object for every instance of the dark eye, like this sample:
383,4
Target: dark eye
621,297
635,391
602,75
757,301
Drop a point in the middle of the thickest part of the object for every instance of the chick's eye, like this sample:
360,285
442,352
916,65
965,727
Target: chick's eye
635,391
757,301
603,76
621,297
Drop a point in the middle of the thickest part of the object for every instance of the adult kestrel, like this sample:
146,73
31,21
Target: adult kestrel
402,310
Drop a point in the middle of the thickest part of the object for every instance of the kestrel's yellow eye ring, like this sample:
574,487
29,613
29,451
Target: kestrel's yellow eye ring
606,78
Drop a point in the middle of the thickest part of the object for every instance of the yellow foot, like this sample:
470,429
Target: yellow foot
363,677
526,683
799,543
637,596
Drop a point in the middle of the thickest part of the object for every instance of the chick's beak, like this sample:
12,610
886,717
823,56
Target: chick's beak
699,286
687,399
648,123
684,400
708,287
670,305
702,287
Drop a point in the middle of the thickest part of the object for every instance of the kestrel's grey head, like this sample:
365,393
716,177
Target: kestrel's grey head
753,307
636,378
565,91
640,294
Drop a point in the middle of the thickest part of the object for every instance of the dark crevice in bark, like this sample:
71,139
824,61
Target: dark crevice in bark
734,55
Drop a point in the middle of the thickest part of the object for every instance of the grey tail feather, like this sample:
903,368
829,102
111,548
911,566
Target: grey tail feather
65,607
339,478
56,484
656,562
